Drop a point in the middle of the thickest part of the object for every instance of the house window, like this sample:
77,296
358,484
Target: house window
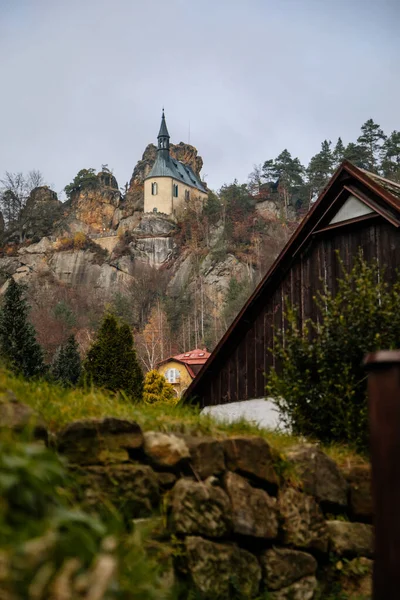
172,375
175,190
187,195
154,189
155,209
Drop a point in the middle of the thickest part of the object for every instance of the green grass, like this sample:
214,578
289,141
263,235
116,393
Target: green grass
59,406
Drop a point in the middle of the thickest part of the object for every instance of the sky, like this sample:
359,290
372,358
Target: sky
83,82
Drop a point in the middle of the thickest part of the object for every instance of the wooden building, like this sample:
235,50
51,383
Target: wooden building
356,210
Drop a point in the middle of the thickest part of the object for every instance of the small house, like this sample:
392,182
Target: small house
180,370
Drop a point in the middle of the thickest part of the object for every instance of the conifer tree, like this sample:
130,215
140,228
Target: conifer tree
338,152
67,364
18,346
157,389
391,156
111,362
370,140
320,168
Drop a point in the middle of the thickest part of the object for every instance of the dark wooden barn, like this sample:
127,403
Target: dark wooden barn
356,210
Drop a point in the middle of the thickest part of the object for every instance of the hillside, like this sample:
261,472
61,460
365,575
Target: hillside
99,250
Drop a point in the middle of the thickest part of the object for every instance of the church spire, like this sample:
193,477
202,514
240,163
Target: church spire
163,136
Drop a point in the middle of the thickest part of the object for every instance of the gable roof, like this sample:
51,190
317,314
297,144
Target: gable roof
193,357
379,194
171,167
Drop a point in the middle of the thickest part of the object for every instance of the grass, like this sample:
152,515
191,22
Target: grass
59,406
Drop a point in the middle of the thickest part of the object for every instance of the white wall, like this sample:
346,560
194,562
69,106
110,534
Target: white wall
261,412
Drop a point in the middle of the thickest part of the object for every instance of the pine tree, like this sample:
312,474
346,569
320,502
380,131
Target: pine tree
370,140
157,389
320,168
391,157
111,361
357,155
66,367
289,171
18,346
338,153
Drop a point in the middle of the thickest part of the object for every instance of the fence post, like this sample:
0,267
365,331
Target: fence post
384,421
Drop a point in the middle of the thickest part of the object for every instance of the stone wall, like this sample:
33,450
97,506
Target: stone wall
244,520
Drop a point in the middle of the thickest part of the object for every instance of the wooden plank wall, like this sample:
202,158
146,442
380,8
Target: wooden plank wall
241,374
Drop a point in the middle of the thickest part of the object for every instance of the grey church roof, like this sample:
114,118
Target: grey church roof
166,166
170,167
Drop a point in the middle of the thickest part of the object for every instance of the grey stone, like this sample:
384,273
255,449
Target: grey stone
282,567
360,496
304,589
165,449
133,489
250,456
254,512
351,539
96,441
319,474
303,522
219,571
199,508
206,456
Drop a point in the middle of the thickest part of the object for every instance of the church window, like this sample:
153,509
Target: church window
172,375
154,189
175,190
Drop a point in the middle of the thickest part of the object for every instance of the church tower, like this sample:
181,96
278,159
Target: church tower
170,183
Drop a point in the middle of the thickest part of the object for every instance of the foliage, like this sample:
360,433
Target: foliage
236,296
66,368
18,346
321,386
156,389
49,546
85,179
111,361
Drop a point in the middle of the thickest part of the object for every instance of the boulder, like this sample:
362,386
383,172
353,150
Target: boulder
282,567
96,441
351,539
252,457
319,475
221,571
199,508
304,589
41,247
165,450
133,489
360,492
19,417
206,456
254,512
303,523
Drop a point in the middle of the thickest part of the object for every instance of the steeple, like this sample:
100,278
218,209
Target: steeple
163,137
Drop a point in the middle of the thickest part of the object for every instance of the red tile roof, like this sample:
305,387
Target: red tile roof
193,357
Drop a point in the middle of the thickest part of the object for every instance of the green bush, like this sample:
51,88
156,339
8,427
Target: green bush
320,386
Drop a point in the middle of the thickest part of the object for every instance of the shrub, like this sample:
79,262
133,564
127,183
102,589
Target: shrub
320,387
156,389
80,240
111,362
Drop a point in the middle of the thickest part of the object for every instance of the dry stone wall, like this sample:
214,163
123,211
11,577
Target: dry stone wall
246,522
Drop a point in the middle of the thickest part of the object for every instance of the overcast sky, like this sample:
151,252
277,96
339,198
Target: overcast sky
83,81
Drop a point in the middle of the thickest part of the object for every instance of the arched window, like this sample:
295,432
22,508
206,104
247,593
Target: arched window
175,190
172,375
155,209
154,188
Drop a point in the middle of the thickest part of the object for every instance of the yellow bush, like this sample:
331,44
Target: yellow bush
65,243
157,390
80,240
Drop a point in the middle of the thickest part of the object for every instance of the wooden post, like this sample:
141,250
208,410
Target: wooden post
384,420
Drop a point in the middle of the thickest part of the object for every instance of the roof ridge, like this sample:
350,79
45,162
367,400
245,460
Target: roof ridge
375,175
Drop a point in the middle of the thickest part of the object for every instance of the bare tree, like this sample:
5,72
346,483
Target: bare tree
14,193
